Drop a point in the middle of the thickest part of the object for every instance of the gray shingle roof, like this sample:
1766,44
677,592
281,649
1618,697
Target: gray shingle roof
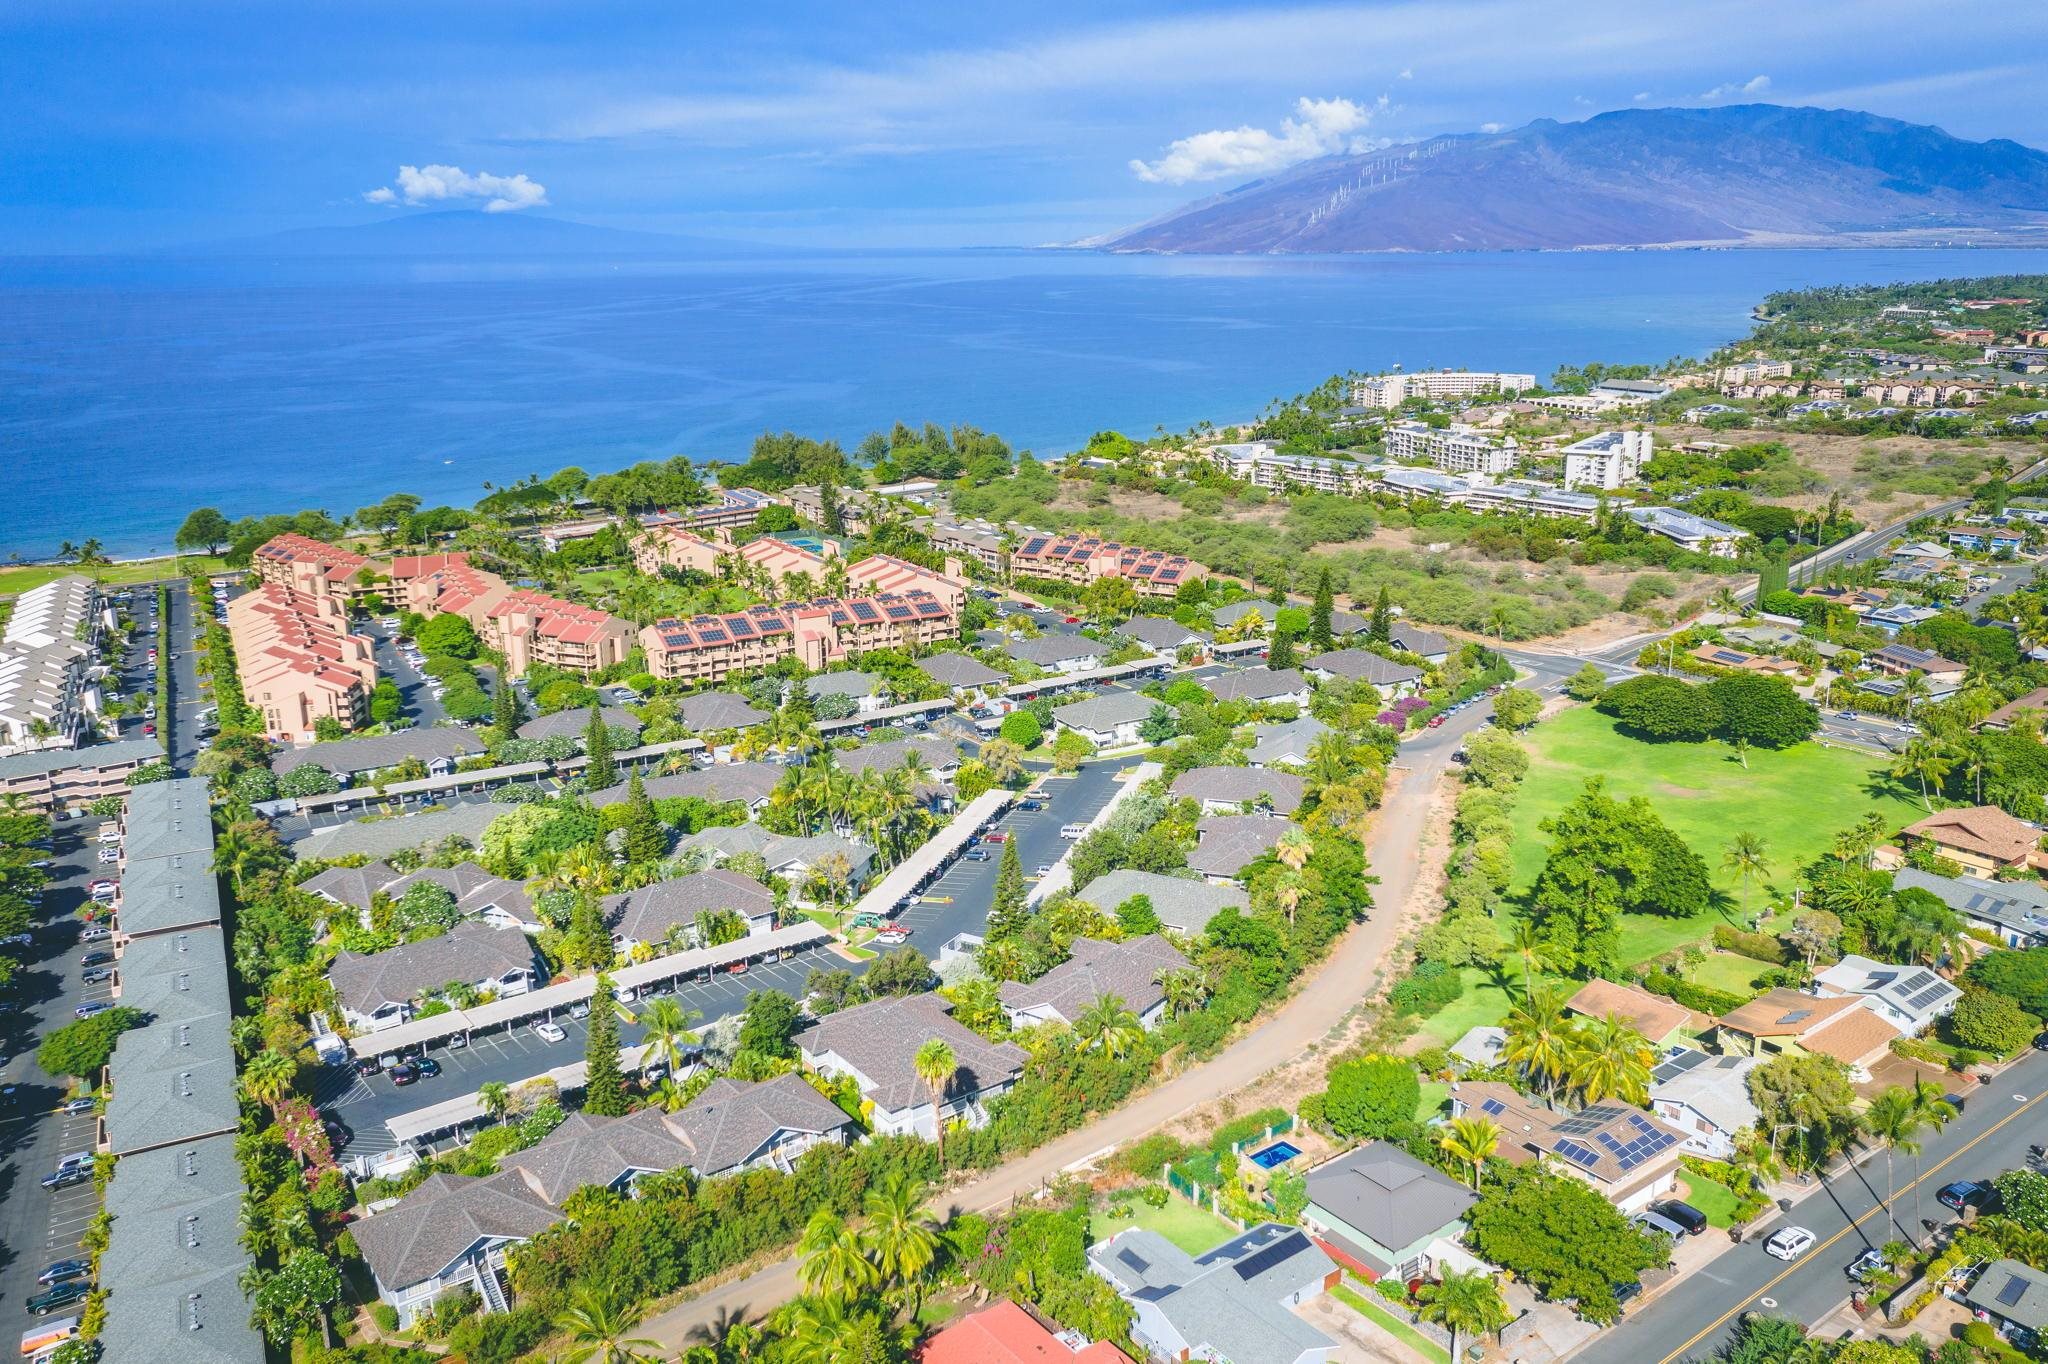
445,1216
1235,785
712,710
1254,684
1224,844
383,837
1128,970
344,756
163,893
572,723
1286,742
1414,639
847,683
472,886
167,817
2014,1291
1388,1194
647,914
115,754
468,952
1181,904
1363,665
780,851
174,1257
881,1038
937,753
1229,1303
1050,651
2012,905
174,1078
750,783
587,1149
1104,713
1156,632
958,670
730,1122
1238,610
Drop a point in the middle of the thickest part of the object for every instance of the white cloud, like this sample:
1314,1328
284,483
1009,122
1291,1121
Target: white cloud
1321,127
442,184
1642,97
1755,85
1491,127
1407,73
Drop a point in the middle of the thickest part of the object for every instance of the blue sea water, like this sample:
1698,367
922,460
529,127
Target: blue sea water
134,390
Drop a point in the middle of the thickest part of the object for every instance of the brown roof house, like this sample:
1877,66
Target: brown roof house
1625,1153
1984,838
876,1043
1662,1021
1130,971
1791,1022
2034,703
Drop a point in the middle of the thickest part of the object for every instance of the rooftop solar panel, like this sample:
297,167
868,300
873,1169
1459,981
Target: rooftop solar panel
1576,1153
2015,1288
1257,1263
1493,1106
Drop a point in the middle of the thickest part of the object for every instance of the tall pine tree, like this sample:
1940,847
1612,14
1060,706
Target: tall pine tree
1383,619
1320,633
604,1084
1006,916
507,714
645,840
602,773
1281,655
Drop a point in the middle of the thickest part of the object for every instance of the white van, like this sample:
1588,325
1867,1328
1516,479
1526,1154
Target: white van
1072,830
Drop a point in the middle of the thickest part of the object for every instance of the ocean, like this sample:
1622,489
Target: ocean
132,390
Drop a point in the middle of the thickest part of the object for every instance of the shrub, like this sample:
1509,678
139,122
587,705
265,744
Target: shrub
1155,1195
1705,998
385,1315
1245,1128
1764,947
1430,986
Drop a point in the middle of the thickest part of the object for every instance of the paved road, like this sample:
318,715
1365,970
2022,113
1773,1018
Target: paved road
36,1225
180,730
422,707
1695,1316
1345,977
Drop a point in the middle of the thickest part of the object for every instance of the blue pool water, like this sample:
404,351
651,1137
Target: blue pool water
1276,1155
809,542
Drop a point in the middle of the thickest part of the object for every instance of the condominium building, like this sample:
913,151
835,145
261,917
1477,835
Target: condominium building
1081,559
295,561
673,545
1695,533
1457,448
1524,498
47,659
1608,460
1388,391
711,648
885,574
858,510
1753,371
978,541
779,561
734,510
298,662
532,627
1261,464
57,779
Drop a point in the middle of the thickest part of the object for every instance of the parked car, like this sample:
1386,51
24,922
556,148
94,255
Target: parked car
1044,869
91,1007
99,956
404,1073
110,854
997,837
738,968
1030,805
427,1066
17,939
1869,1264
982,855
1691,1219
73,1107
580,1009
892,939
1964,1193
96,933
98,974
65,1269
64,1179
549,1032
1788,1243
62,1295
105,883
368,1065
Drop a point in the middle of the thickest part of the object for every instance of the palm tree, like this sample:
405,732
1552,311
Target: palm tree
1294,848
1525,940
597,1325
1932,1108
1184,991
1745,857
1755,1155
1540,1038
1741,747
902,1241
667,1032
1105,1024
1498,617
1890,1119
1928,762
1724,601
1471,1141
1466,1301
835,1263
494,1097
1287,893
936,1065
1613,1058
269,1076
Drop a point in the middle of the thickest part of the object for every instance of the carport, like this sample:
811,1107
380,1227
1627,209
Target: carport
399,791
1025,691
909,710
451,1115
918,870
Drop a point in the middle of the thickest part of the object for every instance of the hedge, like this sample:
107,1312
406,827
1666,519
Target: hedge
1430,986
1705,998
1764,947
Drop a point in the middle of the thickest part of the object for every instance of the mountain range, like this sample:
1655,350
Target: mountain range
1751,174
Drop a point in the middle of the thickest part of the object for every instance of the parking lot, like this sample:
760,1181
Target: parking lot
422,705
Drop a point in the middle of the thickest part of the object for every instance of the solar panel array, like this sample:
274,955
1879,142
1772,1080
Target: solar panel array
1493,1106
1647,1141
1279,1253
1589,1121
2015,1288
1576,1152
1928,995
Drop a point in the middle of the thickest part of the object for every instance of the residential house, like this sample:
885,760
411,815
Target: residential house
1898,660
1231,790
1662,1022
649,915
1131,971
297,561
1363,665
867,691
791,856
450,1234
1388,391
749,783
496,901
376,990
1159,634
1427,645
1261,464
1183,905
1233,615
1924,551
708,649
1910,998
1890,618
876,1043
1260,686
1983,838
1628,1156
56,780
533,627
2017,911
1226,844
962,674
48,665
2033,705
735,1125
1380,1212
1735,660
1786,1021
1004,1333
440,748
708,712
1059,653
380,838
571,724
1288,741
590,1151
787,568
2014,1296
887,575
1706,1099
1989,540
1234,1303
1111,720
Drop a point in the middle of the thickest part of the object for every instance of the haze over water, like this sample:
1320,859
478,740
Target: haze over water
132,391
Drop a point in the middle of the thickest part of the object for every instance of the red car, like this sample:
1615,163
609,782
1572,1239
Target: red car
738,968
1073,620
994,837
1435,720
149,728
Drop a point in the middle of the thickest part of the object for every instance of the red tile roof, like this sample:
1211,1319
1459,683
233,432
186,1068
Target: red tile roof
1006,1334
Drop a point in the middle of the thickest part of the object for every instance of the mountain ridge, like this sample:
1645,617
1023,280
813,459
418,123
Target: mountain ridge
1750,174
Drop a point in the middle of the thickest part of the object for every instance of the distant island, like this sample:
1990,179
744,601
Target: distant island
1744,175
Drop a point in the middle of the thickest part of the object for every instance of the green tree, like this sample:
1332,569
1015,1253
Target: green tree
1579,895
604,1085
1562,1237
900,1238
1281,654
1744,856
289,1302
1764,711
1610,1058
1021,728
1372,1096
1928,762
1137,917
2023,1196
205,528
1587,684
1321,634
665,1028
936,1065
83,1048
645,840
1381,630
767,1024
1471,1142
1517,707
1467,1302
835,1263
494,1097
1106,1025
1541,1038
1007,915
2021,975
1807,1099
600,1330
1892,1122
448,636
507,711
386,705
1984,1020
601,773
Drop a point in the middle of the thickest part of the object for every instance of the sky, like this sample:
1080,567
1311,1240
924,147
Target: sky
879,124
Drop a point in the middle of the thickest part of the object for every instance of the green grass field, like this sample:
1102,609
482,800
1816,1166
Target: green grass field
15,581
1181,1222
1796,800
1716,1200
1727,971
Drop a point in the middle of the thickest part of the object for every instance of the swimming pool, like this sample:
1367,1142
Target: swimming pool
1276,1155
809,542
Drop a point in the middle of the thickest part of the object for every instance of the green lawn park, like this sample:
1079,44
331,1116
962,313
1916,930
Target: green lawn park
1193,1229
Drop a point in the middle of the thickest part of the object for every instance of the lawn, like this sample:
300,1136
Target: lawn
1714,1199
1796,800
1727,971
14,581
1434,1095
1360,1301
1191,1228
1482,1003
